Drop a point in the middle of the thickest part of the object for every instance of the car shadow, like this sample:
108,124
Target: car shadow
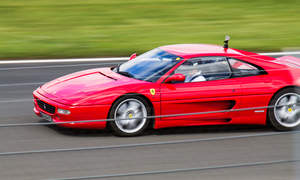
222,129
81,132
214,129
77,132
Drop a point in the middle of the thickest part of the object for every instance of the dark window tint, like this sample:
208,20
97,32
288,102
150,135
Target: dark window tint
205,69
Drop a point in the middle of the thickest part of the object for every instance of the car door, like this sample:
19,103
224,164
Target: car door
212,93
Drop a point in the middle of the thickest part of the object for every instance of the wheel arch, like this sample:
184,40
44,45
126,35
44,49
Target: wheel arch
152,120
278,91
283,88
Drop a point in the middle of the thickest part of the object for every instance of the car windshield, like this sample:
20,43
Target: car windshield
149,66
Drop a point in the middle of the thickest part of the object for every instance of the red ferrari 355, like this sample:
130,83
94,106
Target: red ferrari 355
177,85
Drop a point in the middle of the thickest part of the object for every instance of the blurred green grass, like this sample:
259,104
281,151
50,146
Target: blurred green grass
97,28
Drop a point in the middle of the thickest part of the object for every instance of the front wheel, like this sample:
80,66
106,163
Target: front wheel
284,113
130,116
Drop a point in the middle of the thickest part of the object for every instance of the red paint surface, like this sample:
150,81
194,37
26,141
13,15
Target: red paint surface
89,94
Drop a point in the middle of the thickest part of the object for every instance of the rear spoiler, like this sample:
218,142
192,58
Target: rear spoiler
289,61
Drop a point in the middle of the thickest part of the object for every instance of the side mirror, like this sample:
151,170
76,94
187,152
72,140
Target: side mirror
132,56
175,78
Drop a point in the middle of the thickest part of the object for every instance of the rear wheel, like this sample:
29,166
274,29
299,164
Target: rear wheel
285,115
129,114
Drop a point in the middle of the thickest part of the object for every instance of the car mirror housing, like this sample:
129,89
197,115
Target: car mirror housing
175,78
133,56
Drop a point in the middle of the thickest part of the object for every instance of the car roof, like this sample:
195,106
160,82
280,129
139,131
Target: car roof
187,50
193,50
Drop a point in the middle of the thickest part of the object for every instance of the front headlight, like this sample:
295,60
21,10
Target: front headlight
63,111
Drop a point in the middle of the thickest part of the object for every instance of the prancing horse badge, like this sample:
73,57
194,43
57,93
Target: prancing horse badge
152,91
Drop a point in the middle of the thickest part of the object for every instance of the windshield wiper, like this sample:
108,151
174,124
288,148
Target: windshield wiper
126,74
117,68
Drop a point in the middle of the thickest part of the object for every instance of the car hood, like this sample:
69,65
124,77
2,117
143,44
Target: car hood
77,88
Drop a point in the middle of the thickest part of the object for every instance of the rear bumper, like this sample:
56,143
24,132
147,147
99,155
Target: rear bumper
78,113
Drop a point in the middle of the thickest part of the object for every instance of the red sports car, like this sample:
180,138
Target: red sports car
177,85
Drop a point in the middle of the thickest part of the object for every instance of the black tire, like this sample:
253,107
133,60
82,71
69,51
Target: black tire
273,113
115,125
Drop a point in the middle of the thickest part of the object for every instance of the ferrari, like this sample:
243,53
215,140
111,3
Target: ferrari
177,85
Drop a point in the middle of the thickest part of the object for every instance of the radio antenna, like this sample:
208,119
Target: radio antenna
227,38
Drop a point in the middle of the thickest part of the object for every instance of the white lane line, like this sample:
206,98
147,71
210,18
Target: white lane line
182,170
108,59
281,53
150,144
16,100
64,60
56,66
21,84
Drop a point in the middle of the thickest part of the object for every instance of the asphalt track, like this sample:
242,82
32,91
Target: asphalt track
17,81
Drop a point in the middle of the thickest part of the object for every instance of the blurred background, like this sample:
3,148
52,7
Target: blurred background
38,29
101,28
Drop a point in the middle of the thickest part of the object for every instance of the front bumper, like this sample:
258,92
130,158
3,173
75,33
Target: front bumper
78,113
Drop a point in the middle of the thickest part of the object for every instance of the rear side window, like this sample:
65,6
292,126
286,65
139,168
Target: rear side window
241,68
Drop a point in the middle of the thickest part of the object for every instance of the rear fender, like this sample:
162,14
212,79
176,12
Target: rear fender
289,61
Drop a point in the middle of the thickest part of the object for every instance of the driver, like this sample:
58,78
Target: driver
198,77
195,76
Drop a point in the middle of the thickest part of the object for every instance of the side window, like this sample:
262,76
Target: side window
205,69
241,69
